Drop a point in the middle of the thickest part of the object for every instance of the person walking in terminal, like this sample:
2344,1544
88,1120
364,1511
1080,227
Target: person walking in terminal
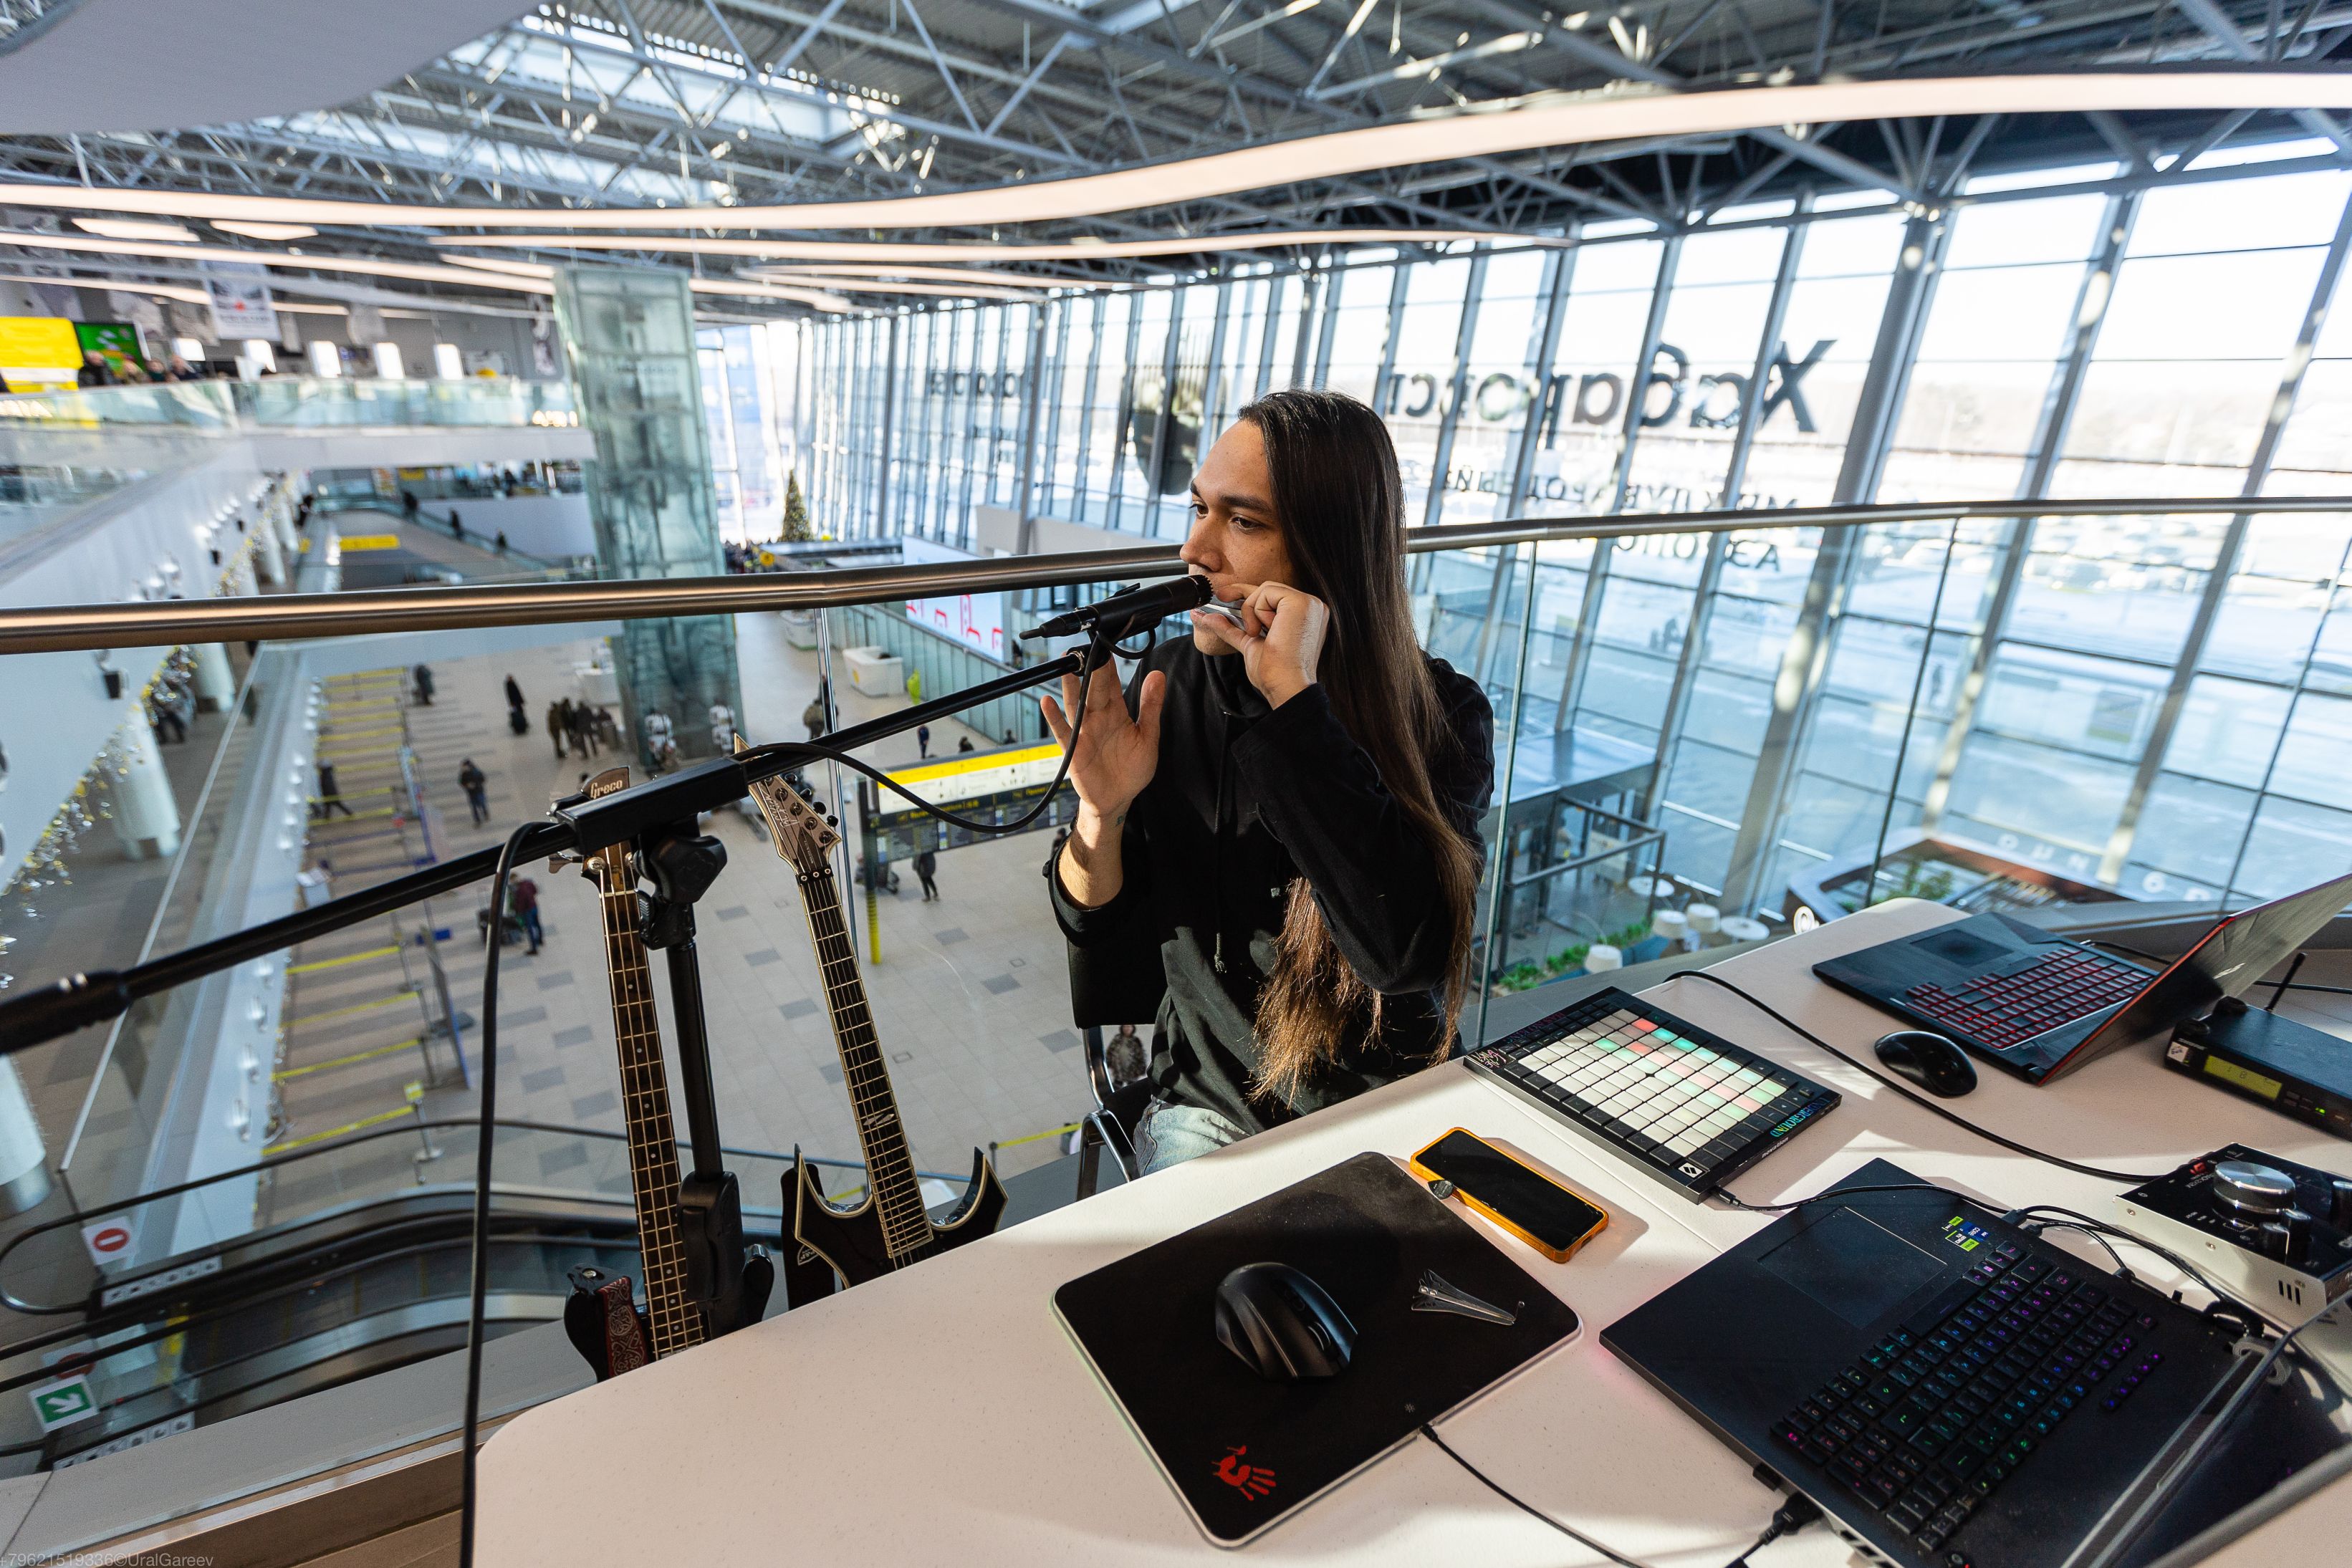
331,798
514,692
476,785
424,678
926,864
1280,818
923,741
525,903
555,727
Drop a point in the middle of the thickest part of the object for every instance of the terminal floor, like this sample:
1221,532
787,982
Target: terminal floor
969,994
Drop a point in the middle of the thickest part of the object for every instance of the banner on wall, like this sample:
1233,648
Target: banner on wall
974,620
39,351
238,293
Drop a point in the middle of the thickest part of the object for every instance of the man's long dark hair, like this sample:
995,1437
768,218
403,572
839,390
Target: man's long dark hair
1339,503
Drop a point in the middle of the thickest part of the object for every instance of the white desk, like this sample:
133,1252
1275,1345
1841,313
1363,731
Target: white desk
942,1416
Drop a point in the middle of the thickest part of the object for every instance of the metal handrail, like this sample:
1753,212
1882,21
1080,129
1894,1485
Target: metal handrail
51,629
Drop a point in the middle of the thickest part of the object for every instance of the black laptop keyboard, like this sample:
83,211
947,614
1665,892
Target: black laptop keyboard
1935,1417
2000,1010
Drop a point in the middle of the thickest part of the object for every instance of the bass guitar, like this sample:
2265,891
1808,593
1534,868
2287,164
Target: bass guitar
677,1252
889,1228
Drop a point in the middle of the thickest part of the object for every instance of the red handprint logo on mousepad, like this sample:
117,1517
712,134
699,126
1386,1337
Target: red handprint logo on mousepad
1243,1453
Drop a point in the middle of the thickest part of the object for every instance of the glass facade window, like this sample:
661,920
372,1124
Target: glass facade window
2152,700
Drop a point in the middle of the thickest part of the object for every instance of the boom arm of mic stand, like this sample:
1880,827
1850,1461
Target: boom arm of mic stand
83,1000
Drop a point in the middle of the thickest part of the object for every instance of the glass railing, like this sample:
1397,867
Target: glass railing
276,402
1708,731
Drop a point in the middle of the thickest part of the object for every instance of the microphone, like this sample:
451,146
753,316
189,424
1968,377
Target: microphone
1130,609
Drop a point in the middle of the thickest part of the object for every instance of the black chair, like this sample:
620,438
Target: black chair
1113,982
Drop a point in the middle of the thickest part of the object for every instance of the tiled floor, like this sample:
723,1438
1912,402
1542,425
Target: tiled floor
969,995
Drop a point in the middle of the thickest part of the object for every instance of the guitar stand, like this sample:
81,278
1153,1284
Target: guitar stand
729,1279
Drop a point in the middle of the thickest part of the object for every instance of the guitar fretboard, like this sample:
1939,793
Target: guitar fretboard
645,1100
890,1167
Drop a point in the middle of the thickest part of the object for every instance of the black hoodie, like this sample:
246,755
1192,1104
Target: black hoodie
1246,798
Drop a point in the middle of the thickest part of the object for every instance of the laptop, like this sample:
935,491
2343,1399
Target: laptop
2042,1006
1952,1390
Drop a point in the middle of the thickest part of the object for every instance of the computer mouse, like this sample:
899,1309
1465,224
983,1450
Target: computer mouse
1282,1325
1930,1061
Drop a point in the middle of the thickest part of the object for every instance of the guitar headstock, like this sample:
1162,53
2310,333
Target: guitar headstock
609,868
804,835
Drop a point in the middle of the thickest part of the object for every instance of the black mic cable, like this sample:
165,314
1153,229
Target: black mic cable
476,1309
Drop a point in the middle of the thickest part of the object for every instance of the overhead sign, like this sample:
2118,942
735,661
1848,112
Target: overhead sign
107,1240
975,775
238,293
62,1402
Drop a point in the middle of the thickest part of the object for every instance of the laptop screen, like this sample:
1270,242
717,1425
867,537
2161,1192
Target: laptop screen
2239,951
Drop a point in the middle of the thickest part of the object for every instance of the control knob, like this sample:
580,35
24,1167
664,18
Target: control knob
2287,1236
2255,1191
2340,1215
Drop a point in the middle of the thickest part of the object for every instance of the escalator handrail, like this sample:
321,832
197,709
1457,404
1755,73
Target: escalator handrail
180,1324
393,509
9,1300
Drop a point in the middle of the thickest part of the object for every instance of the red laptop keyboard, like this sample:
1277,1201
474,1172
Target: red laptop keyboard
2003,1010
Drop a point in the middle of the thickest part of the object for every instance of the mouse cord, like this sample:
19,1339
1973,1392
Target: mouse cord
1582,1539
2126,1178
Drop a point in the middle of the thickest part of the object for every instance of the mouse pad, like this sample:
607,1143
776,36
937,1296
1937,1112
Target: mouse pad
1242,1452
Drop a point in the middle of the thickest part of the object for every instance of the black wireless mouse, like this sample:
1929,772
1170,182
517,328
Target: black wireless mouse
1282,1325
1930,1061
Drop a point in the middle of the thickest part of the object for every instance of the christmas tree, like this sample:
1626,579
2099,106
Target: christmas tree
796,519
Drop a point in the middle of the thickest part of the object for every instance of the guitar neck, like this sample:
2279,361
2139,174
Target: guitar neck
890,1167
677,1324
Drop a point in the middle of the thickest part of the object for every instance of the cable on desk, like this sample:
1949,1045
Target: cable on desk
2126,1178
1578,1536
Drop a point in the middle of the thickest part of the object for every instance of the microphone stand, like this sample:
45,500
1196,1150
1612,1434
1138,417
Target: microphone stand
581,828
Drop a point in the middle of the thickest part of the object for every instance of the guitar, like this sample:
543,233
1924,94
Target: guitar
889,1228
672,1321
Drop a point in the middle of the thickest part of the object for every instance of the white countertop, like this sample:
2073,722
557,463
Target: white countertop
943,1416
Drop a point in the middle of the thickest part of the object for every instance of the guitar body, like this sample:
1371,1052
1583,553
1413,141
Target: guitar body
849,1241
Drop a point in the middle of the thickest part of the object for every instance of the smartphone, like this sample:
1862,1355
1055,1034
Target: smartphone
1516,1196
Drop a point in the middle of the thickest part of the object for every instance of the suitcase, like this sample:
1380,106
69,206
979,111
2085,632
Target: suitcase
516,722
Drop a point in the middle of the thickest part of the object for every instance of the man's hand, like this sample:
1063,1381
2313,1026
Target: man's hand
1116,757
1117,754
1280,639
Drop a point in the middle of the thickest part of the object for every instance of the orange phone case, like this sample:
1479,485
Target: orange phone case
1557,1255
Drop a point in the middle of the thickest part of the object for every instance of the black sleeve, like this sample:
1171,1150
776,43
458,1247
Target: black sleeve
1374,877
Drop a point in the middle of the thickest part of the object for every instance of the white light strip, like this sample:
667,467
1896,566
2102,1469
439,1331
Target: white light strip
841,274
424,271
162,290
822,250
1613,114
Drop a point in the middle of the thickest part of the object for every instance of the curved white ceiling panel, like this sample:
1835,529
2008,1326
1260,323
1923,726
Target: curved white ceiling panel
156,65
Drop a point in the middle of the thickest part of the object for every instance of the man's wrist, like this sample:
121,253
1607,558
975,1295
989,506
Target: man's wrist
1279,690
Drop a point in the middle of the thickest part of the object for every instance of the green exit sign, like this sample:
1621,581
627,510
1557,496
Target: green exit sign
63,1402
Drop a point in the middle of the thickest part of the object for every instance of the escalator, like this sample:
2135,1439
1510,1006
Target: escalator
301,1306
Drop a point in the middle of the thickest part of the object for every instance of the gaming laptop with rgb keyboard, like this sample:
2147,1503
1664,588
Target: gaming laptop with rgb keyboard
2042,1005
1957,1393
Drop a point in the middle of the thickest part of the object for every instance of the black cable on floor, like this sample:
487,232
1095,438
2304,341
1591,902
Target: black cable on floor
2126,1178
484,1135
